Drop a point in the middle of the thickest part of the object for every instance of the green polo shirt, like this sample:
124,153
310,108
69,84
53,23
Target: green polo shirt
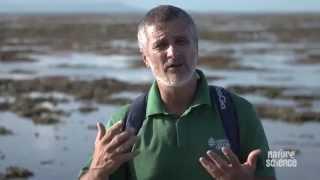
170,146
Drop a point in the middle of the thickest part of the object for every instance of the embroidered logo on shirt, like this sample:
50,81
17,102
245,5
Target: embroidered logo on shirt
218,144
211,142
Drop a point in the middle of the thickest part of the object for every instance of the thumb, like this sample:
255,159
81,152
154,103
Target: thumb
101,131
253,157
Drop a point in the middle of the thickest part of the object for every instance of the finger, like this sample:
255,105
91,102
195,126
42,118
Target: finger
210,167
101,130
125,147
119,139
231,157
122,158
252,157
100,133
112,131
220,163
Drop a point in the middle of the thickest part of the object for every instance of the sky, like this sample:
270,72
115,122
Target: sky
143,5
237,5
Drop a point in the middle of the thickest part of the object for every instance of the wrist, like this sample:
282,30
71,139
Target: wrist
97,174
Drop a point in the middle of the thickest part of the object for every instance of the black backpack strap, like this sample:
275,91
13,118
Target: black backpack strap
227,111
134,119
136,113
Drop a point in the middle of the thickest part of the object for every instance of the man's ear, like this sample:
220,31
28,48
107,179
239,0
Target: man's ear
144,58
145,61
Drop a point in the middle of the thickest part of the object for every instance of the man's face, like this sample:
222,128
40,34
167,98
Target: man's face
171,52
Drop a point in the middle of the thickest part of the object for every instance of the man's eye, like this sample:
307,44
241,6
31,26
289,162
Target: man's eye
160,45
182,41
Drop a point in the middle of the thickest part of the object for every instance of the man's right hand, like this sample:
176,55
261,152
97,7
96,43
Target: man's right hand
112,148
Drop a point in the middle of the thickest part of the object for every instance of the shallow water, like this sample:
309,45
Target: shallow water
51,152
275,68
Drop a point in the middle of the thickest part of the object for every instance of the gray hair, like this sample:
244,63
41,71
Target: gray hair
164,14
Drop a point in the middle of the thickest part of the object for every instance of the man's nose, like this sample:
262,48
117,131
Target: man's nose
172,51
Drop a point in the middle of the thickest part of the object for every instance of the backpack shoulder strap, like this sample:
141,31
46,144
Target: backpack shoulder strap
134,119
227,111
136,113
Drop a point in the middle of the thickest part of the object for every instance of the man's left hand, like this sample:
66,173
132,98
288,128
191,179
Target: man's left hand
234,170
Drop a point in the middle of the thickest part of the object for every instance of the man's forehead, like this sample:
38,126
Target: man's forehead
173,27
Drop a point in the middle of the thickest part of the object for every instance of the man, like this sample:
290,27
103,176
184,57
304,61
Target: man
181,122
